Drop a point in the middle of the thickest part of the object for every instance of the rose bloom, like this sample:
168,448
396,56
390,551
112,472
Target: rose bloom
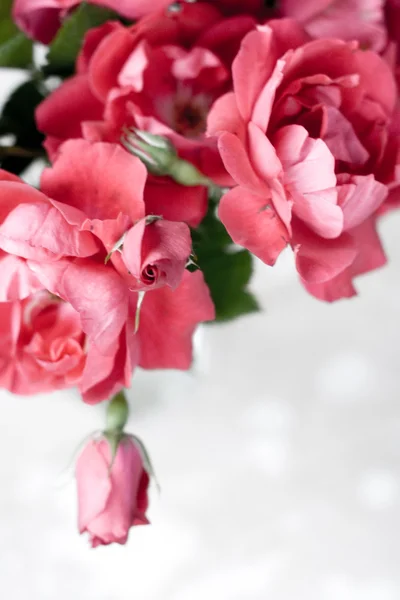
63,240
160,75
307,136
112,492
42,240
41,19
42,345
107,183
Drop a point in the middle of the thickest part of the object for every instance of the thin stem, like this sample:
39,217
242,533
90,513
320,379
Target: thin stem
17,151
117,413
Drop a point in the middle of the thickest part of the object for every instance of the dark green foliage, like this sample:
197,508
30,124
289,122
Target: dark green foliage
18,119
66,45
15,48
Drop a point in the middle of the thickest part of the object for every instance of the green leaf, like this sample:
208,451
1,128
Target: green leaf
211,235
68,41
227,275
15,48
5,9
18,119
226,271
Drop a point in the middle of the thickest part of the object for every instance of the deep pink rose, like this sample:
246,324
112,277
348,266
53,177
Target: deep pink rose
112,492
392,19
160,75
41,345
307,135
41,19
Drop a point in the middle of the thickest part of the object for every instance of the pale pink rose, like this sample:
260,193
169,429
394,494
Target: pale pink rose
307,136
112,492
41,345
361,20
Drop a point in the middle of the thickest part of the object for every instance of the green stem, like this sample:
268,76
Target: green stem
117,413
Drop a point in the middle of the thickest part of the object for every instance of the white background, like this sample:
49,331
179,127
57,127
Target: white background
278,457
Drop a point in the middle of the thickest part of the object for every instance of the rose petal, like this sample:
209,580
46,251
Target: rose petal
101,179
252,222
168,319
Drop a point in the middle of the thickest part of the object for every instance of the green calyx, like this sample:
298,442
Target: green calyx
161,158
116,419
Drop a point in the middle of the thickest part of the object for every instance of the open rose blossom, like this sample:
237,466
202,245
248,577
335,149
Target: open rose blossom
160,75
307,136
112,492
41,345
41,19
106,183
44,247
56,242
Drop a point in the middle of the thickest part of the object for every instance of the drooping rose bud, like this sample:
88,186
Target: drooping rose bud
156,251
112,492
161,158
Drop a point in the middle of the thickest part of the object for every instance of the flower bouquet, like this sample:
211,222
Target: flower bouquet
175,142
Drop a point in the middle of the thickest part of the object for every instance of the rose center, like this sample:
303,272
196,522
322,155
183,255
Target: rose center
149,274
190,118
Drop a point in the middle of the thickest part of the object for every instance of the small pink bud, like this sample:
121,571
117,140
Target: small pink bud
156,252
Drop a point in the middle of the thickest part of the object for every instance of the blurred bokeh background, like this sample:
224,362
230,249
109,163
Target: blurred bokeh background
278,456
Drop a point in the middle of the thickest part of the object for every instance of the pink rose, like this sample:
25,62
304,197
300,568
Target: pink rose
41,19
361,20
160,75
59,240
112,493
115,212
107,184
43,241
41,345
155,253
307,136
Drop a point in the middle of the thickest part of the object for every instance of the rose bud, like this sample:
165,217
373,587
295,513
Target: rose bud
155,252
112,490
